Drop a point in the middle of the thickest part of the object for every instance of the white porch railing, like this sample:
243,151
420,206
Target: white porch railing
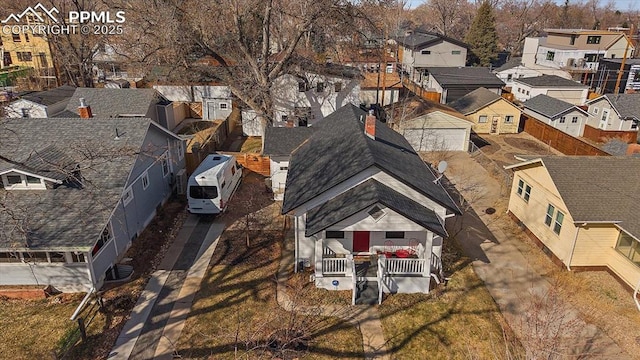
380,277
405,266
354,285
436,267
334,266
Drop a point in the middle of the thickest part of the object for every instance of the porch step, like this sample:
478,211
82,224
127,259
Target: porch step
367,293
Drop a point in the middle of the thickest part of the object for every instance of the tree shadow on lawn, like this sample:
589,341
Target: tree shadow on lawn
236,307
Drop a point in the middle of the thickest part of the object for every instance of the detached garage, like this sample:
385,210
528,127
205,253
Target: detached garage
437,131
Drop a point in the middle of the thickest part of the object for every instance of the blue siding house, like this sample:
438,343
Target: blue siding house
75,193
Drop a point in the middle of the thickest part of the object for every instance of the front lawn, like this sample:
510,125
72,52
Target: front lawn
33,329
458,321
235,313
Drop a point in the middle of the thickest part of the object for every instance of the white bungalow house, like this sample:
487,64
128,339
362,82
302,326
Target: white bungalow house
368,212
557,113
305,97
619,112
40,104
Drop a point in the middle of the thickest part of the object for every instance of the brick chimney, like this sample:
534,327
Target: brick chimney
84,110
370,125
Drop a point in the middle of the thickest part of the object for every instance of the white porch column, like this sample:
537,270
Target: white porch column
318,257
430,248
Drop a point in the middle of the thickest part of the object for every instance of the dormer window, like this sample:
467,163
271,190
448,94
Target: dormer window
17,181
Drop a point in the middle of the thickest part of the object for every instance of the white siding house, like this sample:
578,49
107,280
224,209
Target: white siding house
557,113
368,215
615,112
551,85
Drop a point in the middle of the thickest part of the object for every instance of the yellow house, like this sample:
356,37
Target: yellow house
582,210
489,112
25,48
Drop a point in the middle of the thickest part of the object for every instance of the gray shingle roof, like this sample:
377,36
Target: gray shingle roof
627,105
106,103
599,188
550,81
420,39
53,96
475,100
338,149
548,106
66,216
363,196
280,141
465,77
510,64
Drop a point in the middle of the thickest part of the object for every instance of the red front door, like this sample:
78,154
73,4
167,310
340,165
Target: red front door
360,241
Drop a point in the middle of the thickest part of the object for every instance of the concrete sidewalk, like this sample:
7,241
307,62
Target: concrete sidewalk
157,319
544,325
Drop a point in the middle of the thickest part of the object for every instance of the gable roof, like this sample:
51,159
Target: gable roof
475,100
549,106
510,64
627,105
550,81
65,215
597,188
280,141
107,103
414,106
465,77
362,197
50,97
421,39
339,149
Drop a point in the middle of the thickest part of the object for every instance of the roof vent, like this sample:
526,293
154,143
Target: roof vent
217,158
376,212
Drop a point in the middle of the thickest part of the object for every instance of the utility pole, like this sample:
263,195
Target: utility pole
624,59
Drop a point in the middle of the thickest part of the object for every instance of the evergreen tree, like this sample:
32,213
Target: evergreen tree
482,36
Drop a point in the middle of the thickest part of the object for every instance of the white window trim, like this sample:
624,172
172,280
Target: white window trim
24,185
486,119
144,176
165,160
126,200
223,106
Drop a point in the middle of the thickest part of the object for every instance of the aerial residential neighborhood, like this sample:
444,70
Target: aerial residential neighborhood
319,179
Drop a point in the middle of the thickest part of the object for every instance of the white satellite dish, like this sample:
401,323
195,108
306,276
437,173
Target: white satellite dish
442,166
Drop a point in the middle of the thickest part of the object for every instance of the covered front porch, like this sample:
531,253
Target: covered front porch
374,262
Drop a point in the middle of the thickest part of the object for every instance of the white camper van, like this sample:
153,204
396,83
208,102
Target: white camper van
213,183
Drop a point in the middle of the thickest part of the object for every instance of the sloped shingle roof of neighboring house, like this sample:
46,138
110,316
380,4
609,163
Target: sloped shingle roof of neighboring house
65,215
339,149
475,100
420,39
598,188
281,141
550,81
106,103
464,76
510,64
548,106
363,196
627,105
53,96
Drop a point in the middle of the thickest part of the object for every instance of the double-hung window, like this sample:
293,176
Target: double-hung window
524,190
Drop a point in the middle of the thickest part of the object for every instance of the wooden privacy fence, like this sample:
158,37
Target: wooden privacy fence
252,161
420,91
591,133
558,139
209,140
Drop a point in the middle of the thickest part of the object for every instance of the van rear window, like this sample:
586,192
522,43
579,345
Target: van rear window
203,192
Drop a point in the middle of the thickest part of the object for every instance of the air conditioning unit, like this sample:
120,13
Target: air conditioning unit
580,62
181,182
571,62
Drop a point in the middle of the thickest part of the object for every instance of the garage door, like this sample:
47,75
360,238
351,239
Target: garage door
437,139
